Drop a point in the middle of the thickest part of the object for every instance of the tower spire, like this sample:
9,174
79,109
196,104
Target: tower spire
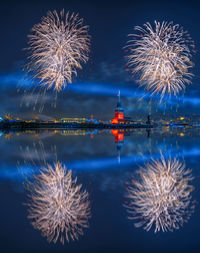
119,96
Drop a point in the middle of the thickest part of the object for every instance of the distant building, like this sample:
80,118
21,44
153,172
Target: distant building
74,120
119,114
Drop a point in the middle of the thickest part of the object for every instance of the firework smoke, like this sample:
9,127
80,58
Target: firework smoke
58,47
57,206
162,196
161,56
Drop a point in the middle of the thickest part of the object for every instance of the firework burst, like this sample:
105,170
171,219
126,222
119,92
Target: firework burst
57,206
58,46
162,196
161,56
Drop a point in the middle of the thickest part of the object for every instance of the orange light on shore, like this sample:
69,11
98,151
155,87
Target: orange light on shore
115,121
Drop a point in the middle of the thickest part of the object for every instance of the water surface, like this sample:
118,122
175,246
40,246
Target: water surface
104,163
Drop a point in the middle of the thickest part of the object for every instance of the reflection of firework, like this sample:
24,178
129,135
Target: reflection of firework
161,56
57,205
162,197
58,45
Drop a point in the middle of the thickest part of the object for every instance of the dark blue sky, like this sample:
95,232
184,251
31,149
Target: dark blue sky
110,22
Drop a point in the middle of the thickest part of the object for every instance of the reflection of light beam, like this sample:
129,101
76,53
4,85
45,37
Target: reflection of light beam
109,163
10,173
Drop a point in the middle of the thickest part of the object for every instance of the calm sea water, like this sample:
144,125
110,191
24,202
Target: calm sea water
104,163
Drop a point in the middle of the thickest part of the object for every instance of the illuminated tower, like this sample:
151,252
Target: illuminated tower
119,112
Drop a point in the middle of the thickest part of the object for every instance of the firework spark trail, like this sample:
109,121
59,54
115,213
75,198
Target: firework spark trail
58,47
57,206
161,56
162,196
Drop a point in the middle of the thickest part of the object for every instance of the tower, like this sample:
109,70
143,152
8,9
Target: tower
119,112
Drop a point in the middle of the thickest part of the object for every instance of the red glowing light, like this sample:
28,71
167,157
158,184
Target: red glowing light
120,115
115,121
120,137
114,131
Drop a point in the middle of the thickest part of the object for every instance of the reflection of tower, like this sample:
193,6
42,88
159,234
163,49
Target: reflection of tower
148,122
119,112
119,140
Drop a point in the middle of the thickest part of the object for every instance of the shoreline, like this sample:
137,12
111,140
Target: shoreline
62,126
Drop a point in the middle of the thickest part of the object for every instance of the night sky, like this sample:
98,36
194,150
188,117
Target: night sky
94,90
